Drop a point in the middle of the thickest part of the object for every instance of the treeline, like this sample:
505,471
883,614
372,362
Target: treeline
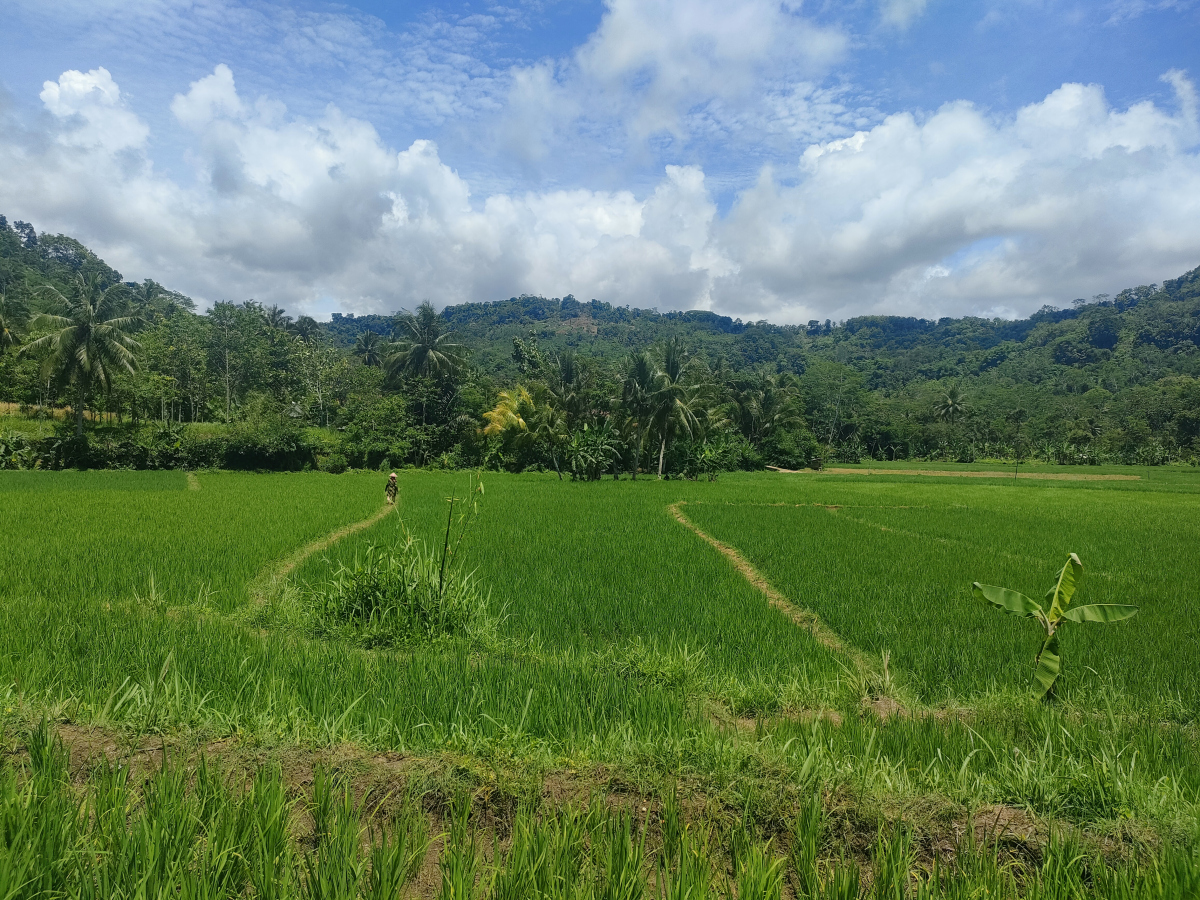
136,377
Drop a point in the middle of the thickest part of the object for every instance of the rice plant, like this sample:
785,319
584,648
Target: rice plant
605,643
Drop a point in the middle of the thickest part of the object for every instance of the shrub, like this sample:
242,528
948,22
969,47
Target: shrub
390,597
789,448
334,463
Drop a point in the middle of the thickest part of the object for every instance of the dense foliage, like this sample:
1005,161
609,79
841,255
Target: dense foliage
584,389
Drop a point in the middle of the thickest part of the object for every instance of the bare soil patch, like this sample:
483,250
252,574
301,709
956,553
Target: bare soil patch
950,473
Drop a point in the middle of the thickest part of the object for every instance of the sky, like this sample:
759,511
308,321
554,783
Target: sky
765,159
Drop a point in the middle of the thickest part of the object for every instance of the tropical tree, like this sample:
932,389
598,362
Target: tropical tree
1051,616
423,348
145,298
592,451
154,303
13,318
276,318
526,417
565,381
369,349
305,329
951,406
763,405
636,402
673,401
89,339
319,368
1016,417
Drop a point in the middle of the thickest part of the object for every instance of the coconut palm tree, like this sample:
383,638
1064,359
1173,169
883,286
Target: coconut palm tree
764,405
423,348
305,329
145,298
951,406
90,340
527,417
153,302
674,402
637,390
369,349
565,380
13,318
276,318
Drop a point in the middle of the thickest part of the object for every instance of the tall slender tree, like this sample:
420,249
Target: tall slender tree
369,349
951,406
673,401
276,318
637,404
305,329
565,380
90,340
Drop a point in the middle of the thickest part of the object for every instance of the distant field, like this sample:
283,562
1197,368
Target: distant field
631,655
100,536
890,567
579,568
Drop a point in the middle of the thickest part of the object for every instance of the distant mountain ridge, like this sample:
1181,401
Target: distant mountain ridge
1140,334
1166,318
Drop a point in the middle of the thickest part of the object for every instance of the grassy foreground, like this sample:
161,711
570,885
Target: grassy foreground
633,678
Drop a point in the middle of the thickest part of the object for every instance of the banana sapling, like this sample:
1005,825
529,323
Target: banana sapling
1051,617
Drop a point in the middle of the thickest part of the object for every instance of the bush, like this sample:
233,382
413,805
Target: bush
334,463
166,447
398,596
790,448
279,448
17,452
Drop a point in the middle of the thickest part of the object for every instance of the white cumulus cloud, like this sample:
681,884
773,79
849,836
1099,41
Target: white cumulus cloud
678,54
91,108
1067,197
956,212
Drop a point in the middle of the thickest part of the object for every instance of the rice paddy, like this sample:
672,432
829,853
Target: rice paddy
630,673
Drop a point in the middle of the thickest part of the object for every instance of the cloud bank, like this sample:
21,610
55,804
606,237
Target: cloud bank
956,212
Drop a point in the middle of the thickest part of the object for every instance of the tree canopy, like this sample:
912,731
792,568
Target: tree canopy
588,388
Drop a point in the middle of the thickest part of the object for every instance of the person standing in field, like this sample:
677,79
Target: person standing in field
391,490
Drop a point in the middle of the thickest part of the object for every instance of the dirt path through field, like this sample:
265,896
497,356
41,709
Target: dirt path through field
805,618
268,581
950,473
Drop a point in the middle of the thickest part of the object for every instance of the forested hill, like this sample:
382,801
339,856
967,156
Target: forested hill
1115,378
1141,334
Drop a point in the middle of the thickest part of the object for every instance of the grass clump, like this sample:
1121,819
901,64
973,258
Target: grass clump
389,597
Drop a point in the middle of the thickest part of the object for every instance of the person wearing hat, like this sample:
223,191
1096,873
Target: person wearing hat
392,489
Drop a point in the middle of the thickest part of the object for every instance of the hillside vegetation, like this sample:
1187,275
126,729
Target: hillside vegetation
587,387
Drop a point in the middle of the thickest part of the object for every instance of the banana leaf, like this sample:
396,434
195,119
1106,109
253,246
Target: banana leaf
1011,602
1049,664
1068,581
1100,612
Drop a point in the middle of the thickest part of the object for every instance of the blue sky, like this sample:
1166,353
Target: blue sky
781,160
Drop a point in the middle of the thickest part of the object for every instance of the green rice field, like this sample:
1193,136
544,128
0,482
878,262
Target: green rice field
628,714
